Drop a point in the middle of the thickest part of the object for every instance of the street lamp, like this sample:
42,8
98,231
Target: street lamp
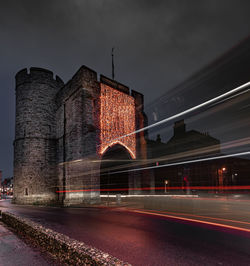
166,183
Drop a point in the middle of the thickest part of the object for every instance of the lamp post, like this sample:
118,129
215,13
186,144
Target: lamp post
108,187
166,183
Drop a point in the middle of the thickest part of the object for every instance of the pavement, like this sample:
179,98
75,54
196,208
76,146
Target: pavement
144,238
14,251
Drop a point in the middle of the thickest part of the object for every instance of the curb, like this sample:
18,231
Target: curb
66,249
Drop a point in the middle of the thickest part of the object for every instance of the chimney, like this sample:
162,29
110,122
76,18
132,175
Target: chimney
158,138
179,128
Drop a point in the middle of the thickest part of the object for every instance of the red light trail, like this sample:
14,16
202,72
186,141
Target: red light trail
221,188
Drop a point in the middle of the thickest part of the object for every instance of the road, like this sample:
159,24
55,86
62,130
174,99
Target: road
144,239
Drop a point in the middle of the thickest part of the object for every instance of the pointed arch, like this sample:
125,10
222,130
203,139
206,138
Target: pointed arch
133,156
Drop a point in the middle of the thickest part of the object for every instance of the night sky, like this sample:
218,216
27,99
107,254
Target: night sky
158,44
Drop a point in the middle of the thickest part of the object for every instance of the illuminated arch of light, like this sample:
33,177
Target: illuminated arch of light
122,144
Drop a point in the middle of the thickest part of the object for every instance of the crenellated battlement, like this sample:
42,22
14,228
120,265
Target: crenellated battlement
37,74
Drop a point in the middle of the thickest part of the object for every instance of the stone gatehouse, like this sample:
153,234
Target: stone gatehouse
63,132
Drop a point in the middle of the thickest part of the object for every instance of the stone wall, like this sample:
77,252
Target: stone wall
78,135
67,250
35,136
57,138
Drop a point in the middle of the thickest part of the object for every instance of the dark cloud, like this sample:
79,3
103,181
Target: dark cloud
157,43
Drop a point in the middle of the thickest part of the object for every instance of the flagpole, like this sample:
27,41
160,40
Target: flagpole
113,66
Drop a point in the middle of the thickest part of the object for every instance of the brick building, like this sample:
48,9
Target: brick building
186,160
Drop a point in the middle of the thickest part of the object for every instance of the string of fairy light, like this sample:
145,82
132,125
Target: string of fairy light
117,118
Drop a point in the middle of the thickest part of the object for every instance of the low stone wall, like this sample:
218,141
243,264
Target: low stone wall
66,249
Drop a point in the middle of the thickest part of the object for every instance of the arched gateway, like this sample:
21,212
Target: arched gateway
114,174
66,133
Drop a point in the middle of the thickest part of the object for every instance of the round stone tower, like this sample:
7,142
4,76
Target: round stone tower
35,179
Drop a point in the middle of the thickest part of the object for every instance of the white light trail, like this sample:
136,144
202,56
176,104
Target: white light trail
213,101
183,162
195,108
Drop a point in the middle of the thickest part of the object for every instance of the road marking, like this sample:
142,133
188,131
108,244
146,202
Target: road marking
193,220
201,216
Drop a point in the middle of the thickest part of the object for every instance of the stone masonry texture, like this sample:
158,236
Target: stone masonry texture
57,136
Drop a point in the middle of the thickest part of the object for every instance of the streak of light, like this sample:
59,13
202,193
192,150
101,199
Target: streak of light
145,196
150,196
193,220
213,101
197,107
196,152
235,143
231,97
184,162
158,188
213,110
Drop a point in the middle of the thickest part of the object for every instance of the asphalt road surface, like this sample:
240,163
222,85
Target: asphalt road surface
144,239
